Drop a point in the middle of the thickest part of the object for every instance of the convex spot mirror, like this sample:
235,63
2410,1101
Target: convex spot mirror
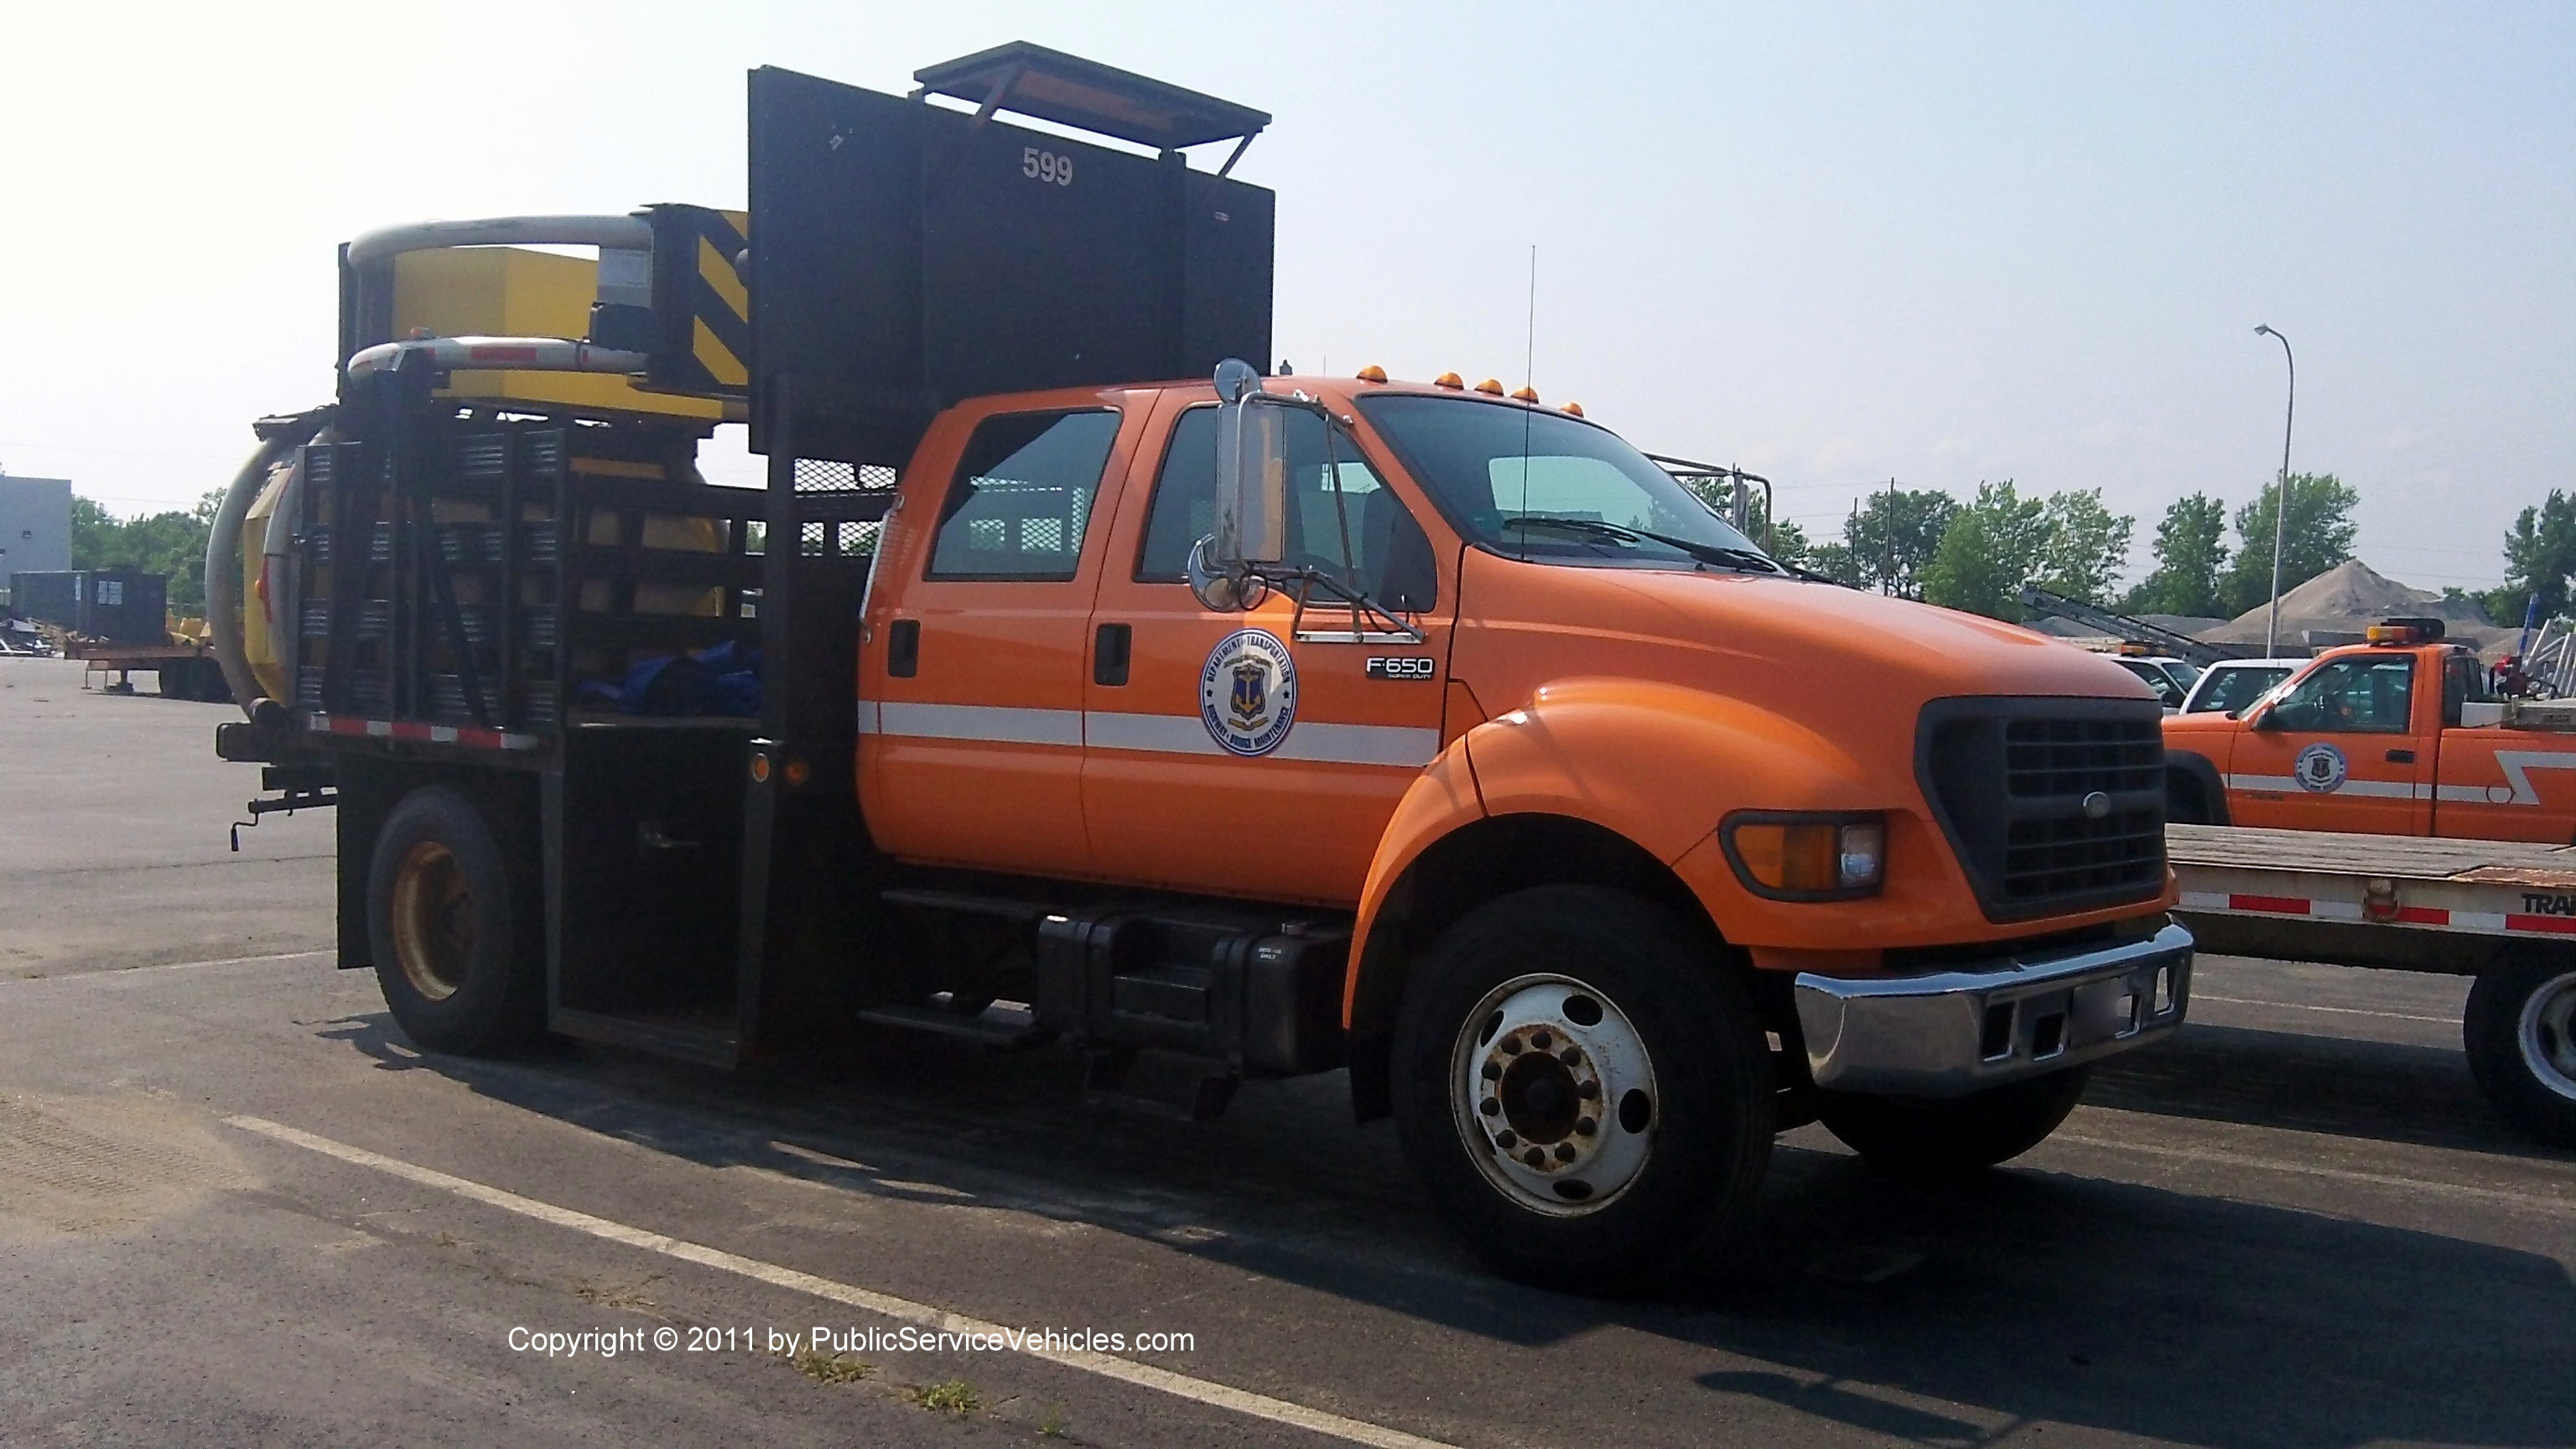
1251,492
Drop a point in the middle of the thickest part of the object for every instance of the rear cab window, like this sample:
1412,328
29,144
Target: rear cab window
1022,498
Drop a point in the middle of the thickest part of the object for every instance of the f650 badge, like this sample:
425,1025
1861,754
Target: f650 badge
1402,666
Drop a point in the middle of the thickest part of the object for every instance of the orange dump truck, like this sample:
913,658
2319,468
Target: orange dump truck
1218,731
2396,736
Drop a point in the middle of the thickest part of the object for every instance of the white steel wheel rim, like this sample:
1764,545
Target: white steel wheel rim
1554,1095
2547,1035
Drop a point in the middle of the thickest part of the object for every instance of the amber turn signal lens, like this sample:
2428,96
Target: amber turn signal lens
1797,858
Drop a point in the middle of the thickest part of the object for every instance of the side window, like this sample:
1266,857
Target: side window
2352,696
1022,498
2167,692
2463,682
1342,518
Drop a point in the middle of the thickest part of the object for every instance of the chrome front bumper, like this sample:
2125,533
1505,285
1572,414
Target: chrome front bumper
1998,1021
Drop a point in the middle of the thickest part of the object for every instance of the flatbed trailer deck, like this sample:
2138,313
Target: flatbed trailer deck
2501,912
187,671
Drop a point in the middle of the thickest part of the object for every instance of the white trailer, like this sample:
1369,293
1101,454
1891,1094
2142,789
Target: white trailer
2500,912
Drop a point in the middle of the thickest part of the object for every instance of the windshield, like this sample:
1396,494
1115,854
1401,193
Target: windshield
1540,485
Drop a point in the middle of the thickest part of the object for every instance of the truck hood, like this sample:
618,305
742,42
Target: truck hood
1812,651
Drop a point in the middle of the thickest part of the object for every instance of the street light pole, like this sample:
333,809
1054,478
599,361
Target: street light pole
2281,494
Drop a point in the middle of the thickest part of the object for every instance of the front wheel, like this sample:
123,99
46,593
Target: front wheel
2520,1032
1583,1087
1953,1134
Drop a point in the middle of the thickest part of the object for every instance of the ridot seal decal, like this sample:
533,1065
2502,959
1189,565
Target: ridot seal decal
1248,692
2321,769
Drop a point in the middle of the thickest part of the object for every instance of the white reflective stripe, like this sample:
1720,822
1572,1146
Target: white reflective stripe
2476,794
2478,920
2367,789
1316,741
999,724
868,717
1169,734
2203,901
2518,765
2335,910
1354,744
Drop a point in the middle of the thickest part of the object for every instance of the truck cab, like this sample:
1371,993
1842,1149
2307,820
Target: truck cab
1073,684
2399,735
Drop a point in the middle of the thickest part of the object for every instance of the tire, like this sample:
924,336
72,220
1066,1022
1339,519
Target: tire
2183,802
1662,1033
454,920
2520,1033
1955,1134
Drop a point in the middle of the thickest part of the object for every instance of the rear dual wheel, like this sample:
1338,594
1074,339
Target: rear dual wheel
2520,1032
453,918
1583,1088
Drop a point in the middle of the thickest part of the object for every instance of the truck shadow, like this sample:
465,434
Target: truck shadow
2382,1091
1954,1313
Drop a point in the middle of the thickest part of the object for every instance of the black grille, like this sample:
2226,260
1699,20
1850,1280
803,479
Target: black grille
2054,805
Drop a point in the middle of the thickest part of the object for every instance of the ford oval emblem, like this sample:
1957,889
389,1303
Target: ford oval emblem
2096,805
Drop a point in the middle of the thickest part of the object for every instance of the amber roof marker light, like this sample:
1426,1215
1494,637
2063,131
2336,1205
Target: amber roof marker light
1372,373
1448,380
1491,387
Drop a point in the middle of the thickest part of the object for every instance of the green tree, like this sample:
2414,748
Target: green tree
2087,545
2191,558
1888,540
1993,546
2539,559
2318,536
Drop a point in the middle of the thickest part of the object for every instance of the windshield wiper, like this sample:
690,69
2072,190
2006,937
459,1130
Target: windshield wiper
1709,553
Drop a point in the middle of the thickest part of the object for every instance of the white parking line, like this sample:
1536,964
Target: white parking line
113,972
1109,1366
2552,1206
2337,1010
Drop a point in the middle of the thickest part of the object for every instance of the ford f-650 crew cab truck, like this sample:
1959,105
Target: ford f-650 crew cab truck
1219,730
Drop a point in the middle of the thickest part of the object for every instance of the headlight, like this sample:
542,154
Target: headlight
1807,857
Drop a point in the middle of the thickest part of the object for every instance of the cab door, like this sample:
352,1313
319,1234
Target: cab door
971,680
2340,751
1260,754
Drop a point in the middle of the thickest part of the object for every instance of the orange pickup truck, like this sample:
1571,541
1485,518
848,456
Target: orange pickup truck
2397,736
1218,731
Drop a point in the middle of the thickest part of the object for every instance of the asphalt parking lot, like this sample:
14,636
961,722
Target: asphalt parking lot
236,1207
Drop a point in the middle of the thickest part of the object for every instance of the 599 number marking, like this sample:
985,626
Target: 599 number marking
1402,666
1046,166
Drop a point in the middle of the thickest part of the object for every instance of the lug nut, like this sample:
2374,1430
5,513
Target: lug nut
1542,1041
1511,1046
1585,1126
1565,1152
1491,1107
1571,1057
1587,1090
1505,1140
1535,1158
1493,1071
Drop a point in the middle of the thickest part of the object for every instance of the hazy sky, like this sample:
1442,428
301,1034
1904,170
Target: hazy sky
1836,244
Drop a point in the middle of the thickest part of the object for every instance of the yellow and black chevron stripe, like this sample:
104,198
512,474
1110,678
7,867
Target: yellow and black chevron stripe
701,300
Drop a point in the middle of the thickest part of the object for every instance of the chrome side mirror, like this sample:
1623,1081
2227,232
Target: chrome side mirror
1251,492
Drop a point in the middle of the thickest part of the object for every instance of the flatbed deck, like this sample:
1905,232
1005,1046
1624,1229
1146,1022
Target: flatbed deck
2503,912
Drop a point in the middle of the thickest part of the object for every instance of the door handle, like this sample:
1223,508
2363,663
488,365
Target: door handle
903,648
1111,645
2401,757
